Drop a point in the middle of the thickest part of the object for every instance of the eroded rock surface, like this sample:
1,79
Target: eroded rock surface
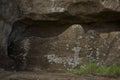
67,50
82,10
58,34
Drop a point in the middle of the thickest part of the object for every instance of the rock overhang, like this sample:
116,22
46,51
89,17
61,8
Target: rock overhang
95,16
81,10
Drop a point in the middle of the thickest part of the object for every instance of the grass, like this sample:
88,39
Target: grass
93,68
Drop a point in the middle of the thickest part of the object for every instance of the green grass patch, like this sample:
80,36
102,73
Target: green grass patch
93,68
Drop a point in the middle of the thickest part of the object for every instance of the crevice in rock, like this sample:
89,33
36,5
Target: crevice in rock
106,27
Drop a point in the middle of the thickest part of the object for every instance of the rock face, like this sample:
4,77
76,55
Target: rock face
69,49
8,15
58,34
67,10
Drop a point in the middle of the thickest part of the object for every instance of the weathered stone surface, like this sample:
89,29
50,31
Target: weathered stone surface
72,48
8,14
58,34
62,50
114,53
82,10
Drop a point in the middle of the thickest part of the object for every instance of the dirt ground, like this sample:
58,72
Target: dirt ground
48,76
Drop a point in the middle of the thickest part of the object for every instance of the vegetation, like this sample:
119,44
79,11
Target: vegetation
93,68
